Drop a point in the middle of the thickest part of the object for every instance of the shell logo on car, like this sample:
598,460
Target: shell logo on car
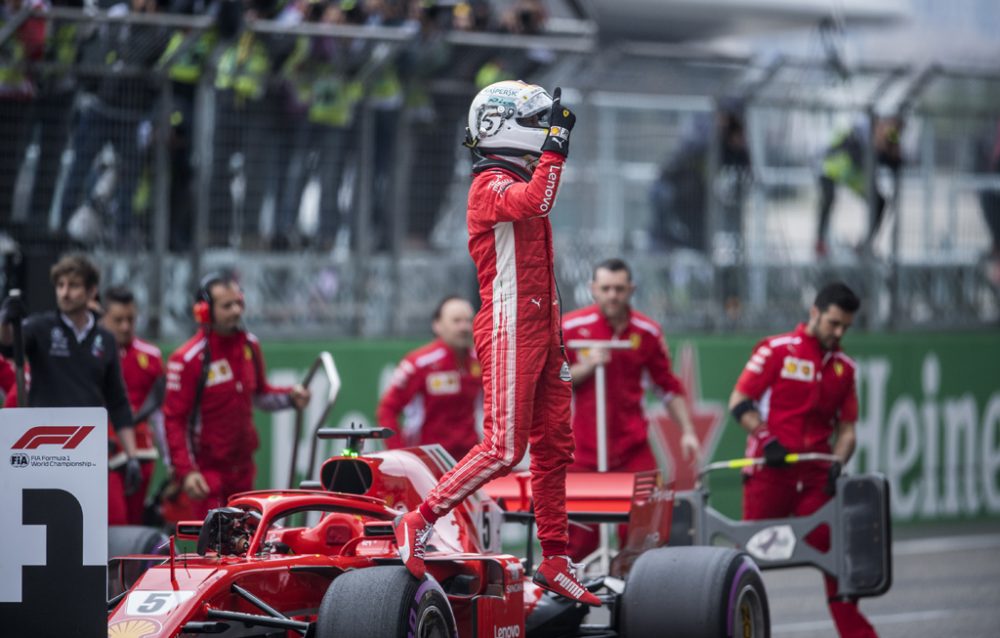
134,629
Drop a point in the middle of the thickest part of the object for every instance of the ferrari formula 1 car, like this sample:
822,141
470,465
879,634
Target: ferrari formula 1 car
321,561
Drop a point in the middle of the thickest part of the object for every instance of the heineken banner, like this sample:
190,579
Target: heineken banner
929,414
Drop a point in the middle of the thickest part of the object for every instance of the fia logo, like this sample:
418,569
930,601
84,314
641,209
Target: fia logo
19,460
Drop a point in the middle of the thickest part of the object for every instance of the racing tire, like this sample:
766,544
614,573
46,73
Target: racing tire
124,540
384,602
695,592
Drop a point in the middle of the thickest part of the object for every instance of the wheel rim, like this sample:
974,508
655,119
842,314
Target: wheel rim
749,620
432,624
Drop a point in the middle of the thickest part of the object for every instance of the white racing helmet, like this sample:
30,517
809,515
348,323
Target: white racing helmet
510,118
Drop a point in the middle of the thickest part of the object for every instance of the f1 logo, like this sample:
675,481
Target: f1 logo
68,436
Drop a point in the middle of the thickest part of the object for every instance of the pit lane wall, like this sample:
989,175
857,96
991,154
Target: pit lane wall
929,413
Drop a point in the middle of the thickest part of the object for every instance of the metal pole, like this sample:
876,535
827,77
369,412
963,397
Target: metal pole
203,134
161,209
400,213
366,185
604,548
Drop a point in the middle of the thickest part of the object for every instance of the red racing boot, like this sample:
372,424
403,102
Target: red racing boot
556,575
412,532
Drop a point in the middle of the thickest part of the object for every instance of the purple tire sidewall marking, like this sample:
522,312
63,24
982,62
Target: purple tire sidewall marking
730,617
427,584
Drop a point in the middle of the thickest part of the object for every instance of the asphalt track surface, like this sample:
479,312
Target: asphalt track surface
943,587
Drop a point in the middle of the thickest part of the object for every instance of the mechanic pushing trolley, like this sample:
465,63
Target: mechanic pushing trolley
798,389
519,137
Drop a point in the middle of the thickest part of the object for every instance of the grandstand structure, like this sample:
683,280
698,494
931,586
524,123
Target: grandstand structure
209,151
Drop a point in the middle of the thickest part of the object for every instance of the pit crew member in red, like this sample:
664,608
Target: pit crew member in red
613,318
794,395
213,383
519,137
437,387
142,370
8,380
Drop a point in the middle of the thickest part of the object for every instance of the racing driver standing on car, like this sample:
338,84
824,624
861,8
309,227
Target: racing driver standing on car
519,137
796,392
213,383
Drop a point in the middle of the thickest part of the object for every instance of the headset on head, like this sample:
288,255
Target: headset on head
202,309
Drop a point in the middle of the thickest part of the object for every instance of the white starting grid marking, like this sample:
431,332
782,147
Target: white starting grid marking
877,620
919,547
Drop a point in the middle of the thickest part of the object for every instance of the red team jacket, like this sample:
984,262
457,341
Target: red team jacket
142,365
802,390
437,396
624,384
8,380
224,435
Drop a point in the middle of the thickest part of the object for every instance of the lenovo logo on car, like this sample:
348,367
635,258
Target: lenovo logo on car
65,436
509,631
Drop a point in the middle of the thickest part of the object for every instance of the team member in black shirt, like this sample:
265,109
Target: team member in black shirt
74,362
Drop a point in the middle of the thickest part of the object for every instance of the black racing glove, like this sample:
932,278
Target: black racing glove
133,476
831,478
774,453
12,310
561,121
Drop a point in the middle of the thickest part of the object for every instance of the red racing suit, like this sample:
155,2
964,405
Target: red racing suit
625,388
526,382
8,380
437,393
142,365
220,440
803,391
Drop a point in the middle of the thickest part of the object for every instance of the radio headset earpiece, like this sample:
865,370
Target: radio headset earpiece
202,309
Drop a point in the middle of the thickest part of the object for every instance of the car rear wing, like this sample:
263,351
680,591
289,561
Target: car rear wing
857,515
591,497
643,500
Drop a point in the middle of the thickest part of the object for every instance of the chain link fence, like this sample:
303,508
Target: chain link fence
322,163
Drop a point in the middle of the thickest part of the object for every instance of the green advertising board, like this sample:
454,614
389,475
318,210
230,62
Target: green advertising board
929,413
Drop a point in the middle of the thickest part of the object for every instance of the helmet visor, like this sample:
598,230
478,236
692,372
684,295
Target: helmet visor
534,112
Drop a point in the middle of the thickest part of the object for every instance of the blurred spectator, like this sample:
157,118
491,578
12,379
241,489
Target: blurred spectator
424,59
243,141
844,163
57,92
184,62
524,17
320,72
17,93
989,200
679,198
385,97
117,111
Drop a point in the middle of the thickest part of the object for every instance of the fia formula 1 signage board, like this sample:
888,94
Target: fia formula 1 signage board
53,521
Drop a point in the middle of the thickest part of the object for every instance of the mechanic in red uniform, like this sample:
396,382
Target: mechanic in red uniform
519,137
142,371
794,395
613,318
214,381
436,387
8,380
